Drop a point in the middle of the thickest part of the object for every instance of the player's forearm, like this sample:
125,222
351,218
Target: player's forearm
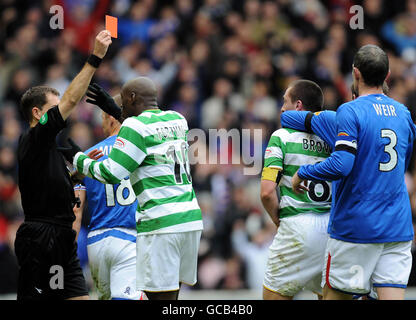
323,125
79,85
337,166
76,226
76,90
294,120
104,171
271,205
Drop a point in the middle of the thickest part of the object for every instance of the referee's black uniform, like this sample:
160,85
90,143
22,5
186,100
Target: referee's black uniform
45,243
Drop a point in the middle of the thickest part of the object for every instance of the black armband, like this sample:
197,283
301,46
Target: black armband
94,61
308,122
343,147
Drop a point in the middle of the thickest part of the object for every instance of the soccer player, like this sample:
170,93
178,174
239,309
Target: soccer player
297,253
111,242
370,226
45,243
151,148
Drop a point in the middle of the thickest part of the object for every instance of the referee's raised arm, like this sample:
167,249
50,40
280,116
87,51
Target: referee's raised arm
79,85
46,239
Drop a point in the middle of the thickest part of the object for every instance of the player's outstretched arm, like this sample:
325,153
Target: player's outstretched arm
341,162
127,154
294,119
337,166
98,96
79,85
322,124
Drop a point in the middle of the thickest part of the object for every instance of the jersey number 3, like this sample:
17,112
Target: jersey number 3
389,149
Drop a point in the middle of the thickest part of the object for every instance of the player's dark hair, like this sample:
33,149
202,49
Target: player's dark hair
373,64
309,93
35,97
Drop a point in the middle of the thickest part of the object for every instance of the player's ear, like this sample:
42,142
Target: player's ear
356,73
388,75
36,113
132,97
299,105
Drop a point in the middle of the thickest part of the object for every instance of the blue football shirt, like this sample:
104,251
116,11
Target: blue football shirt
371,202
109,205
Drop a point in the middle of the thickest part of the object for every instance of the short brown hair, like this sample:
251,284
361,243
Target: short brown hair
373,64
35,97
309,93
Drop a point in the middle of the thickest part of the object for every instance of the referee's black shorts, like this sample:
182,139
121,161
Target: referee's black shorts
48,261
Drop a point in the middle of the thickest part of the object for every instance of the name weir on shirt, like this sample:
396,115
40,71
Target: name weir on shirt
385,110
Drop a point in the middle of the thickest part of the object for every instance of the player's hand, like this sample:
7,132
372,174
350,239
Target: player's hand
298,184
102,42
69,152
95,154
98,96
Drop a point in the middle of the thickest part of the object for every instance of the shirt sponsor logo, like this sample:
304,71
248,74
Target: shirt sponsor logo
120,144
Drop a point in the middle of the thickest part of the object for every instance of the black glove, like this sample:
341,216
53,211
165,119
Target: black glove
69,152
103,100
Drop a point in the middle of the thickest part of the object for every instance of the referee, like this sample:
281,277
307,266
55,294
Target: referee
45,243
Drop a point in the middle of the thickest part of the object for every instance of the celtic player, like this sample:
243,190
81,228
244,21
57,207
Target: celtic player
297,253
151,149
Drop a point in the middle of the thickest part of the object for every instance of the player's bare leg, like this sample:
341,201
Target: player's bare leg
331,294
271,295
390,293
79,298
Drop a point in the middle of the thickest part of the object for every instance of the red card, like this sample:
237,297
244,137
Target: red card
111,25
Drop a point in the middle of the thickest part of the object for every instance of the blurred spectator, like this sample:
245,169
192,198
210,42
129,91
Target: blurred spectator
81,18
255,252
223,100
261,105
401,32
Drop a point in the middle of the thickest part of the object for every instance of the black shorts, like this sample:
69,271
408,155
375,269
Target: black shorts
49,267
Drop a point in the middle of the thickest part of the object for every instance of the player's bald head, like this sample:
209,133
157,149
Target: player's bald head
141,86
137,95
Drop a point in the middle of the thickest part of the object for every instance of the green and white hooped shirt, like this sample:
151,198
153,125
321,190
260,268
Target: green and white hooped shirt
152,150
287,150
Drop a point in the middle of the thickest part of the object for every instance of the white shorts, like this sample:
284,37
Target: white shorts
297,254
165,260
112,260
354,268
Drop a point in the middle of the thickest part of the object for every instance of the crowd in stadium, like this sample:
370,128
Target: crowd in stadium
220,63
